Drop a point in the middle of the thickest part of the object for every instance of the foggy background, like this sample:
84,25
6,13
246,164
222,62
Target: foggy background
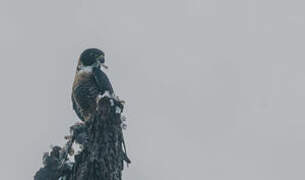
214,88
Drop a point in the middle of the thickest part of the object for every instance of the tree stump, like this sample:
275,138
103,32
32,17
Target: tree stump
103,150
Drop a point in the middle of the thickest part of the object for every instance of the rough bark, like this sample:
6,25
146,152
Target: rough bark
103,150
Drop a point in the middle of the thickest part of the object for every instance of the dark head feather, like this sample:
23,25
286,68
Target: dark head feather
91,56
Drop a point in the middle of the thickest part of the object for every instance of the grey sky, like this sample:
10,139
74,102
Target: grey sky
214,88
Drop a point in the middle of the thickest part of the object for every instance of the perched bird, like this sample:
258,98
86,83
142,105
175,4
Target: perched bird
90,83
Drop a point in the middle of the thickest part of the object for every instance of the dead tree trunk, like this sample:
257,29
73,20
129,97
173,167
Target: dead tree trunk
103,155
103,150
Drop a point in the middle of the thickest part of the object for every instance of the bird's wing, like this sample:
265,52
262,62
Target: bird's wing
77,109
102,81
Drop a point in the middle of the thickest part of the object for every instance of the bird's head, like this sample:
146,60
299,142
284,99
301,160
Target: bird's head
91,57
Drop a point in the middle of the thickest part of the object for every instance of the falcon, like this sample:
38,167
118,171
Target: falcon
90,83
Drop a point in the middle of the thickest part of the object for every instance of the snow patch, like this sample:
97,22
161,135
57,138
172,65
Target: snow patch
118,110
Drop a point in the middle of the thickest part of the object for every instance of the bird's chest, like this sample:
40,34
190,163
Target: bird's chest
85,91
